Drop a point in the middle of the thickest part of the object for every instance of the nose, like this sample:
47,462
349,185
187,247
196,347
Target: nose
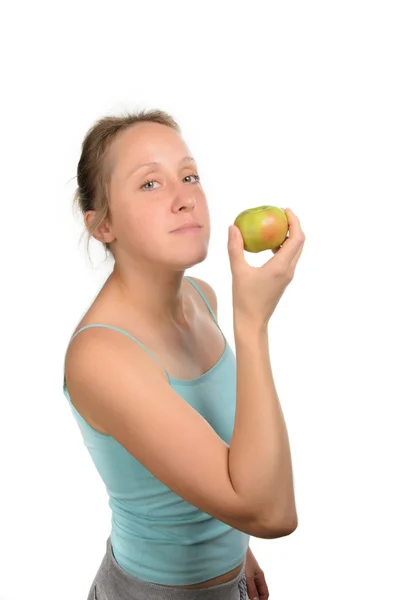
184,202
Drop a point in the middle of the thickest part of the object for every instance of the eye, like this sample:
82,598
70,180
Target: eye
194,175
146,183
153,181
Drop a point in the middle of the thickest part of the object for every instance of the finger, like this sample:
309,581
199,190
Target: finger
251,588
235,247
261,586
296,258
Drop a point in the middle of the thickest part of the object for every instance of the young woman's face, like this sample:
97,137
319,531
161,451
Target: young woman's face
148,202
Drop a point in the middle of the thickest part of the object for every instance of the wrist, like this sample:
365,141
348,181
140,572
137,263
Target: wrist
249,328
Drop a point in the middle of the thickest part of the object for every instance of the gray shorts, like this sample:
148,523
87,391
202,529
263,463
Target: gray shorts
114,583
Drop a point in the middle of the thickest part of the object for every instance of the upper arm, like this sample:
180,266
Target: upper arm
120,386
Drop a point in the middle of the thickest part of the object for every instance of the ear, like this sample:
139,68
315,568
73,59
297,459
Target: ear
102,233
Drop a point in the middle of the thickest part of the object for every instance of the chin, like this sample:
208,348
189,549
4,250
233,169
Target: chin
188,259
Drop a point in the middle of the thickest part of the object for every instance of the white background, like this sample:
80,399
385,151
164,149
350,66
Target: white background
285,103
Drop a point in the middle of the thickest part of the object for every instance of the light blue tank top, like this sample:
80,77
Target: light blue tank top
156,535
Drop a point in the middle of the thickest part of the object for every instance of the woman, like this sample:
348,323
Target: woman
168,413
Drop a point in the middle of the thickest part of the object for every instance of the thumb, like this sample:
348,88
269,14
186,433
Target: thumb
235,248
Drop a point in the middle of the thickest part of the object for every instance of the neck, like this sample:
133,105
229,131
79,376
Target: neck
155,296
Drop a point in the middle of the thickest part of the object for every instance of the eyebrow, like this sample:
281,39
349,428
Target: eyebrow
185,159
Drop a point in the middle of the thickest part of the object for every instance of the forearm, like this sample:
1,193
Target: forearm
259,454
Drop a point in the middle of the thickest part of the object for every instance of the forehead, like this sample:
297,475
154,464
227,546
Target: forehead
143,143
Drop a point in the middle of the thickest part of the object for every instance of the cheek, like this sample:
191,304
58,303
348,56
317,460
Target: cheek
143,231
203,214
206,211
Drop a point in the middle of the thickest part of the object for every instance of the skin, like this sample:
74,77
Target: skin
150,262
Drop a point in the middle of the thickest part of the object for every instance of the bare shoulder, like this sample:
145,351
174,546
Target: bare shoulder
209,292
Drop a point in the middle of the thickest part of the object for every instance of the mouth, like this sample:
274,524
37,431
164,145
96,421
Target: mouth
187,229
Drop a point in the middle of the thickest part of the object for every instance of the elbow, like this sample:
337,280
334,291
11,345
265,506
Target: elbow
288,527
273,530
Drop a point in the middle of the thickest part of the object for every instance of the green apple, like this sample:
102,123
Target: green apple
262,228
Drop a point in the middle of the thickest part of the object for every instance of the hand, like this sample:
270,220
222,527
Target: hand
256,583
257,290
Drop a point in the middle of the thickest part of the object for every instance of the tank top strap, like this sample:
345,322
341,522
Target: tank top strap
207,303
125,333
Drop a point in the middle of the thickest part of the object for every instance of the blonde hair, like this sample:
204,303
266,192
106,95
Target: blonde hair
92,177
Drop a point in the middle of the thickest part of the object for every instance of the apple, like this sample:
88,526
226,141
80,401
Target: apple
262,228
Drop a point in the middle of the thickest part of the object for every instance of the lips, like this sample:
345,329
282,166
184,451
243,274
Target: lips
189,225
